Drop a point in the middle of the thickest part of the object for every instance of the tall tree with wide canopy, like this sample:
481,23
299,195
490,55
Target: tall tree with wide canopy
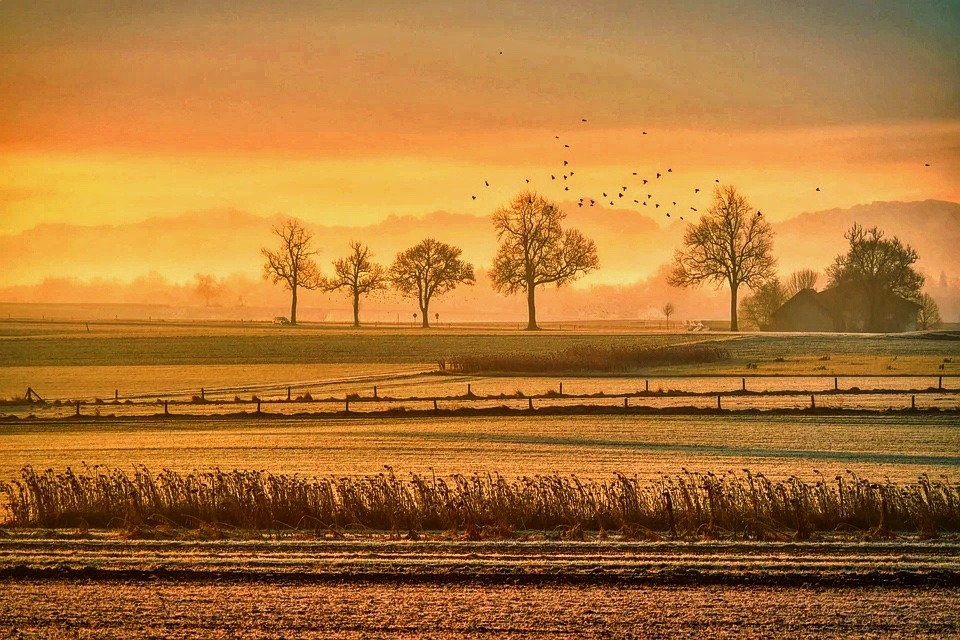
292,262
534,249
879,266
732,243
429,269
358,275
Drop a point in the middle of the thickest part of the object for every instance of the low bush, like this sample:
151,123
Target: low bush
588,359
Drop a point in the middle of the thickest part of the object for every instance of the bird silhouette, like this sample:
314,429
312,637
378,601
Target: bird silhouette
657,205
668,215
527,180
759,215
681,217
927,164
818,188
649,195
474,197
644,133
620,194
566,146
696,190
645,181
674,203
566,188
553,177
634,173
571,173
486,183
565,163
624,188
693,208
636,201
604,194
611,203
669,170
644,203
583,119
579,204
658,176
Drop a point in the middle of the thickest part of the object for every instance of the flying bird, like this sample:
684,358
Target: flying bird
528,180
566,146
658,176
624,188
927,164
604,194
566,188
636,201
644,133
645,181
674,203
657,205
668,215
579,204
717,180
620,194
486,183
759,215
818,188
669,170
474,197
634,173
693,208
696,190
553,177
565,163
583,119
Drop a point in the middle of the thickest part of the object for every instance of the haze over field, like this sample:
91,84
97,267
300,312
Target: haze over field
141,145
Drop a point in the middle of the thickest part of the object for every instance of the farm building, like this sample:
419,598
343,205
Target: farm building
845,308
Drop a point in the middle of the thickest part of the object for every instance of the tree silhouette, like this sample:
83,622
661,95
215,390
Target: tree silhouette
667,311
757,308
534,250
292,263
928,316
879,266
731,243
800,280
429,269
357,275
207,287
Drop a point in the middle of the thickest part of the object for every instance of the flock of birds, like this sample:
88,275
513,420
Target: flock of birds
641,192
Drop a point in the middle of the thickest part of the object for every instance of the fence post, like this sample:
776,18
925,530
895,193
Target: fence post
626,402
813,403
288,394
913,402
836,386
561,388
347,405
940,382
743,383
78,407
116,395
718,402
258,406
646,385
202,394
166,410
469,393
434,405
530,404
374,391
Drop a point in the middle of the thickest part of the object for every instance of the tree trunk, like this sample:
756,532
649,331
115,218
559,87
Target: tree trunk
356,310
293,305
733,307
531,308
426,316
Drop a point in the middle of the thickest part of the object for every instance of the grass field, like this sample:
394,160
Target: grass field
540,583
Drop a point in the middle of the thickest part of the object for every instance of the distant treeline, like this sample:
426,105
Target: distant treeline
588,359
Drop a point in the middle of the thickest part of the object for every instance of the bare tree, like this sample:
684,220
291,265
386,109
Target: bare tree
357,275
800,280
429,269
732,243
757,308
667,311
207,286
534,250
928,316
292,263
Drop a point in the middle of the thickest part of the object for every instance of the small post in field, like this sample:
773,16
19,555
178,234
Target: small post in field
646,385
561,388
166,410
116,395
468,390
813,402
347,406
743,384
836,386
288,394
258,406
530,403
78,407
913,402
626,402
202,394
374,391
940,382
435,405
718,402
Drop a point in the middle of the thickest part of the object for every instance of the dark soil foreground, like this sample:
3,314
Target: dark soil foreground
95,586
167,609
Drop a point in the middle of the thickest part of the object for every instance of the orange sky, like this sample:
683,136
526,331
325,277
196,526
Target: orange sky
116,112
